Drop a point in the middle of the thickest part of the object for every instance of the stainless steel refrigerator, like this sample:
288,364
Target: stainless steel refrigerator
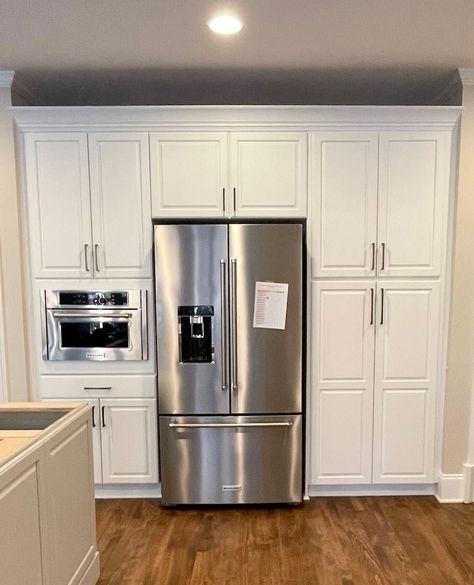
229,310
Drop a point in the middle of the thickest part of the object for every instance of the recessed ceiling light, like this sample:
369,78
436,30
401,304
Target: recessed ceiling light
225,25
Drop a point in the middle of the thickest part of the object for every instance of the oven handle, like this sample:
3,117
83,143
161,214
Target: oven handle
93,315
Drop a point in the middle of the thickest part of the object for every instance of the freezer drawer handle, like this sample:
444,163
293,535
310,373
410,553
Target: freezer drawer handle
173,425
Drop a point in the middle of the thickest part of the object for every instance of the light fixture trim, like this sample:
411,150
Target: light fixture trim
225,24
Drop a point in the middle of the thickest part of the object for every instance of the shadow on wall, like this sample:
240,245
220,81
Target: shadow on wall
403,86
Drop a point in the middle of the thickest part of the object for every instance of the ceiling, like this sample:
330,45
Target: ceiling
301,51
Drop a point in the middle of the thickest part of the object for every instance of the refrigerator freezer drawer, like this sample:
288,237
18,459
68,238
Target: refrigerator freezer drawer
231,459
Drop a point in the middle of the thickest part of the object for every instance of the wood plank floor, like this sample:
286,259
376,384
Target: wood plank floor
328,541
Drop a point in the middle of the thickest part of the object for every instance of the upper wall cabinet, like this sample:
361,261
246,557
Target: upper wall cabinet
120,202
268,173
219,174
188,173
88,206
57,182
391,226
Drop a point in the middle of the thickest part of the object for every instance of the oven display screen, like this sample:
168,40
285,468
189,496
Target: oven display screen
93,334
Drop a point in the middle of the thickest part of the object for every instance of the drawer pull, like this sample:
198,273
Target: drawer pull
97,387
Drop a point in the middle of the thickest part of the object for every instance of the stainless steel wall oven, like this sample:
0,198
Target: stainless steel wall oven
95,325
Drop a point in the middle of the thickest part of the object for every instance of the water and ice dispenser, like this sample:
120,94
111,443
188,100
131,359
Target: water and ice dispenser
195,334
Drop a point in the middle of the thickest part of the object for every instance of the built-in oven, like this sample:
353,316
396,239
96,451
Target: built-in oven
95,325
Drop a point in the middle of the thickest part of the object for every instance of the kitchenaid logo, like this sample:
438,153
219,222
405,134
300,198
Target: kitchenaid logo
95,356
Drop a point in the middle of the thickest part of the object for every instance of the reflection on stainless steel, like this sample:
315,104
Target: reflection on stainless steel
200,463
230,424
94,325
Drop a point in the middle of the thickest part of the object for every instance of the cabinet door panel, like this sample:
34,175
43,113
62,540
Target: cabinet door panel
129,441
59,221
413,202
405,381
120,195
20,533
188,173
344,208
343,366
269,173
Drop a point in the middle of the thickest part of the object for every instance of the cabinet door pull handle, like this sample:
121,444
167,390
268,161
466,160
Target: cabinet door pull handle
373,256
371,306
97,387
103,416
235,207
86,257
96,256
383,256
223,199
93,417
381,306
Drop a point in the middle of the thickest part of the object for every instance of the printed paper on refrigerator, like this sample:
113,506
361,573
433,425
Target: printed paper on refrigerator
271,300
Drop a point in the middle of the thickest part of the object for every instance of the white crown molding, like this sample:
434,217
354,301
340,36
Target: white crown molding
467,76
6,78
229,117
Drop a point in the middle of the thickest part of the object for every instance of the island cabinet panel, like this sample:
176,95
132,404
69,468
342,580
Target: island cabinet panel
20,527
59,218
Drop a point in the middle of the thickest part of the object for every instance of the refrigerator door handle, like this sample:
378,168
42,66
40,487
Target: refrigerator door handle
224,341
233,314
173,425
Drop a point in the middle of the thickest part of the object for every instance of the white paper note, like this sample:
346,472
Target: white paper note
271,300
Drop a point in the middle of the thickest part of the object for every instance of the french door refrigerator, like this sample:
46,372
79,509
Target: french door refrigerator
229,310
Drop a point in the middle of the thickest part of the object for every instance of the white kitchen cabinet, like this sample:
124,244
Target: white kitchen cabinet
268,174
120,203
217,174
344,208
129,441
380,203
88,207
188,173
343,368
57,184
413,202
406,362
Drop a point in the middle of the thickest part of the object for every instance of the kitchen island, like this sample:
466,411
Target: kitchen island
47,513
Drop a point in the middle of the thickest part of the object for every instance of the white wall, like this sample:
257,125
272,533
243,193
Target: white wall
13,358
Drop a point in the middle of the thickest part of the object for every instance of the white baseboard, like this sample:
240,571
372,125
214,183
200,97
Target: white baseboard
127,491
450,488
373,490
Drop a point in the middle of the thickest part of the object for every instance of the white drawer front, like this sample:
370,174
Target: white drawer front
97,387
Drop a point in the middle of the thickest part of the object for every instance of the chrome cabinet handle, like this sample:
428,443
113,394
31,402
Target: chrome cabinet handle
93,417
381,306
173,425
103,416
233,312
97,388
86,257
223,324
372,306
383,256
373,256
96,257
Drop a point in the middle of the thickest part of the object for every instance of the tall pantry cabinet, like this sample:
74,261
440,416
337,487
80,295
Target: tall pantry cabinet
379,236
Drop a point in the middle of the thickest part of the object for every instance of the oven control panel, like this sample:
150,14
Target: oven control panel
88,298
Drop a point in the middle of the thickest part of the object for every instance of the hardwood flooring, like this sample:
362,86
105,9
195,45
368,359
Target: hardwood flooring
328,541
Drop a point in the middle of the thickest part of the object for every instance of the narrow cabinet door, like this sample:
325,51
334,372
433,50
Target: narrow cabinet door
59,220
413,202
268,174
342,382
344,205
405,381
120,190
188,174
129,440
